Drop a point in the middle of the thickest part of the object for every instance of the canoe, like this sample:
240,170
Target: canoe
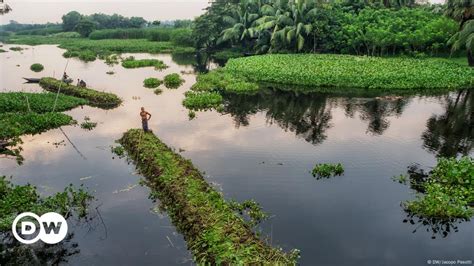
32,80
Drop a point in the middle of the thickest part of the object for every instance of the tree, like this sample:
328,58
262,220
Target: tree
137,22
463,12
70,20
85,27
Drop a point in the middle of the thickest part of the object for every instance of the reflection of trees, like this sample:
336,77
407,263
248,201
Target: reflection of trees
14,253
307,115
376,111
452,132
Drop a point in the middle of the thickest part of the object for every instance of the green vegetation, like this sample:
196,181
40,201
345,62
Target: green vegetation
131,62
16,199
37,102
202,100
99,99
37,67
158,91
87,124
173,81
448,191
16,48
152,83
17,124
326,170
214,232
102,48
84,55
2,51
191,115
353,72
180,36
463,13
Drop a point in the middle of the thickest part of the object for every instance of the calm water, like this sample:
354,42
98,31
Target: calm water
261,147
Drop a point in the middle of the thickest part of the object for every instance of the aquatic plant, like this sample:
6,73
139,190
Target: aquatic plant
325,70
173,81
202,100
191,115
158,91
326,170
2,51
37,102
131,62
37,67
17,124
118,150
152,83
99,99
87,124
16,48
447,192
16,199
110,72
214,233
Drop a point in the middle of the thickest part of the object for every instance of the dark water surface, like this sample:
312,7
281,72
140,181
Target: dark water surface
261,147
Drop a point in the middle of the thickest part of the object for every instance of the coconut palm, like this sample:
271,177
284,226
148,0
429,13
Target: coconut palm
242,18
463,12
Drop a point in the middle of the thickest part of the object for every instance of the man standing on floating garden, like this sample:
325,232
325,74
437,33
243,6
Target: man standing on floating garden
145,117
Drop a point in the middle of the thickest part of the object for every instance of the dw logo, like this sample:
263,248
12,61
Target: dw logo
52,228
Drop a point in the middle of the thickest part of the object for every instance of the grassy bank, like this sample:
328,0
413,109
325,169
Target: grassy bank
353,71
16,199
37,102
213,231
103,100
89,49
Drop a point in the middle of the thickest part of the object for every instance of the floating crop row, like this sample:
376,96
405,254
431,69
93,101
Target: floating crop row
214,233
17,124
131,62
37,102
103,100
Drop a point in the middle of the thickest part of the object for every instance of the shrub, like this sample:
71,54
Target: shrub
327,170
37,67
152,83
173,81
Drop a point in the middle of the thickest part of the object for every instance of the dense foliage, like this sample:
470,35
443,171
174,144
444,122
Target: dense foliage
173,81
202,100
131,62
353,71
214,232
17,124
152,83
72,21
448,190
37,67
178,36
95,98
37,102
463,12
370,27
16,199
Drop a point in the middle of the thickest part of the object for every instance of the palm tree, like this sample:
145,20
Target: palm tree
463,12
242,19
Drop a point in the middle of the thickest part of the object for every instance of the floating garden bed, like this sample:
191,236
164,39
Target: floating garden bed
152,83
103,100
214,232
16,199
173,81
17,124
445,192
131,62
37,67
37,102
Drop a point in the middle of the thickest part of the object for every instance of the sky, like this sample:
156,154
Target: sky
42,11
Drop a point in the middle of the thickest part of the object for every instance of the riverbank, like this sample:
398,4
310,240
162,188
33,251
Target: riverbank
213,231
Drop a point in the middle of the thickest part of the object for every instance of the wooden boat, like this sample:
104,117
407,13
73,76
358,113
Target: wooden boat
32,80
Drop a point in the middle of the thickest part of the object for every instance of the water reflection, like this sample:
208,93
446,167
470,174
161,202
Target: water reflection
452,132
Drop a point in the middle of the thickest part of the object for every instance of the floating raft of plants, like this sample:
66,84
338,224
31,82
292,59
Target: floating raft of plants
99,99
213,231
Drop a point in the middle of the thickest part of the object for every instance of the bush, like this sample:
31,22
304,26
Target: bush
37,67
173,81
152,83
182,37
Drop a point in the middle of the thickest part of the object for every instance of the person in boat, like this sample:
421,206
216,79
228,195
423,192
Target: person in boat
145,117
82,83
78,83
65,77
